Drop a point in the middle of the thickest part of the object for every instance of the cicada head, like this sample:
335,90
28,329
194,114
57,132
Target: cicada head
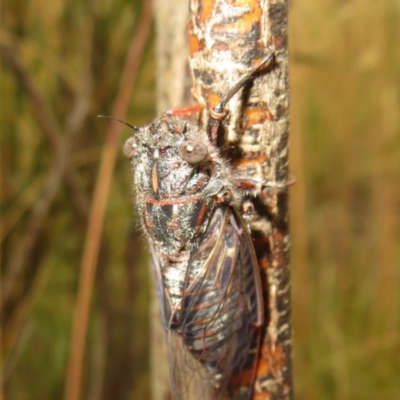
171,158
168,137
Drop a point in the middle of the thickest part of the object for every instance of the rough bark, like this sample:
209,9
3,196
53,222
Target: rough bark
227,38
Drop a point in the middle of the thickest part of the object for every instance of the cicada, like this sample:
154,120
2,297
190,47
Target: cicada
203,258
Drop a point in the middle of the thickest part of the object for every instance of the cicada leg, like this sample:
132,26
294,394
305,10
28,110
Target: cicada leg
218,113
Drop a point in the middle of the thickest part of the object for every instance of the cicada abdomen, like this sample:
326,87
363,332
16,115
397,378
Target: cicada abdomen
203,258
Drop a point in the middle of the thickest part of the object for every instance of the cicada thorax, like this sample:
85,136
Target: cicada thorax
172,194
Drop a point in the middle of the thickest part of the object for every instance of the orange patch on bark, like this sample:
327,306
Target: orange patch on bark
194,43
271,361
212,98
244,25
256,115
244,162
206,8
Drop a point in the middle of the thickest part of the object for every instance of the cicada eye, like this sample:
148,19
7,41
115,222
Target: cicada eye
194,152
130,147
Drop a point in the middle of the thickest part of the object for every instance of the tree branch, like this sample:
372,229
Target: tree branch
226,39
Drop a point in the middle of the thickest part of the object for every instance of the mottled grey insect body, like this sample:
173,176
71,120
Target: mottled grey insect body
175,192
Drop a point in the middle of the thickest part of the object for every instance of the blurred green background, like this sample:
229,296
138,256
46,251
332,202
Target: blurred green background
345,206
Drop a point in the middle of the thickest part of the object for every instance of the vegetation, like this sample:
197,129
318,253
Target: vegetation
345,207
61,67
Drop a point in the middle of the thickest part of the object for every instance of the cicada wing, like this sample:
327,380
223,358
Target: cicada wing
189,379
243,376
162,294
221,308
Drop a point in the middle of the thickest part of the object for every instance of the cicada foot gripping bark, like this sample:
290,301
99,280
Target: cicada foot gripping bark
204,262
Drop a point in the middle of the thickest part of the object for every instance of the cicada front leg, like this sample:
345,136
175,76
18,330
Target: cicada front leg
219,112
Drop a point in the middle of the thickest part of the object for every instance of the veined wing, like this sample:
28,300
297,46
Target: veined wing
163,298
220,313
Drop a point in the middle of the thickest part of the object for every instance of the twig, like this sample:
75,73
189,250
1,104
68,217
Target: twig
15,324
93,235
40,211
47,121
226,39
25,200
60,170
32,231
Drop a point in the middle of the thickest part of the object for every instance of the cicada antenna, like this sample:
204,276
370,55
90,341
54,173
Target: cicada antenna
135,128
